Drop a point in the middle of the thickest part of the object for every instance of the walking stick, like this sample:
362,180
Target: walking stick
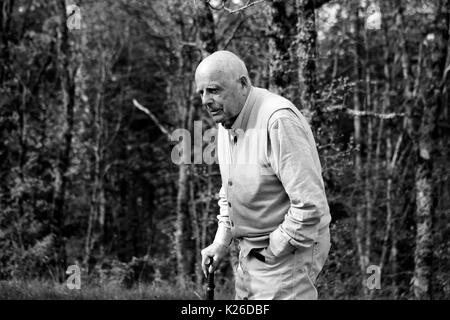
210,283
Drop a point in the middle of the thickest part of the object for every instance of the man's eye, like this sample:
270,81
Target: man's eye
213,91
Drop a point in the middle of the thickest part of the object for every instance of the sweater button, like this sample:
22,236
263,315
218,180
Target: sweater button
230,183
235,139
229,204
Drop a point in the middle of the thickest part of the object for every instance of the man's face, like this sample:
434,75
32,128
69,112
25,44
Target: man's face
222,95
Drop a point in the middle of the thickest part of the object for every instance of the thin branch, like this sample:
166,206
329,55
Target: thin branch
233,33
396,152
446,73
247,5
190,44
152,116
110,165
359,113
114,135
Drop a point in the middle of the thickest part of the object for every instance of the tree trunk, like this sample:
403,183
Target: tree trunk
370,177
206,32
388,189
307,57
360,212
181,209
283,66
206,210
435,55
196,230
424,242
66,74
386,105
6,7
97,207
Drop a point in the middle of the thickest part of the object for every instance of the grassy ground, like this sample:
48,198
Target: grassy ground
46,290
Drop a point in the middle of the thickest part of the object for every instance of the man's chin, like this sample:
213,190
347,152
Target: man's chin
218,119
223,120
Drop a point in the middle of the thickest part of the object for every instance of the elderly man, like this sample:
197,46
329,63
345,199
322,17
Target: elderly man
272,198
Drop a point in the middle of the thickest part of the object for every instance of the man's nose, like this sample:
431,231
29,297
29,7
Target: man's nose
206,100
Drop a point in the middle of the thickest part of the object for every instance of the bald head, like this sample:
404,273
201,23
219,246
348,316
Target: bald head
223,83
225,64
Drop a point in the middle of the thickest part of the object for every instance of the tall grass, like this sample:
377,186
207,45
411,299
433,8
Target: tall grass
47,290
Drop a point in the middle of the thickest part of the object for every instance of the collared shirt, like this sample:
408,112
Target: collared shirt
293,158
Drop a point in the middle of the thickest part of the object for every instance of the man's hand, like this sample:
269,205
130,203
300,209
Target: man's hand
215,254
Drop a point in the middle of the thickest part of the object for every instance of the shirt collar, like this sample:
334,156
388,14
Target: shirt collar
242,119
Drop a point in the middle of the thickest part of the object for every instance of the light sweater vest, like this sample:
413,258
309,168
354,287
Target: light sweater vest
256,197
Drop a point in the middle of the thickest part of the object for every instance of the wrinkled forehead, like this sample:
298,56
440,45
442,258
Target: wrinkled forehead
212,76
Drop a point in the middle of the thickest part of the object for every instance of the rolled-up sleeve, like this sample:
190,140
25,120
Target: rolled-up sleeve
223,233
294,159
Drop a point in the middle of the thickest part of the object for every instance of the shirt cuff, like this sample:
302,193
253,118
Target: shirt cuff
223,235
279,243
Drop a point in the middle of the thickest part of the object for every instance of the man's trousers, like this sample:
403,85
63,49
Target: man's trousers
289,277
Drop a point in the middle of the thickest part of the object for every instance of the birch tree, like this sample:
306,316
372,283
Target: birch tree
67,70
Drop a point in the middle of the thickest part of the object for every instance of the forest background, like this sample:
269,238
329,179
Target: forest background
92,91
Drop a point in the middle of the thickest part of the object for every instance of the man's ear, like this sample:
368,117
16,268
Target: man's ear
244,81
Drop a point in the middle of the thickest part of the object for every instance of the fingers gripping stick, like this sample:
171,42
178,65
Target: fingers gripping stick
210,282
